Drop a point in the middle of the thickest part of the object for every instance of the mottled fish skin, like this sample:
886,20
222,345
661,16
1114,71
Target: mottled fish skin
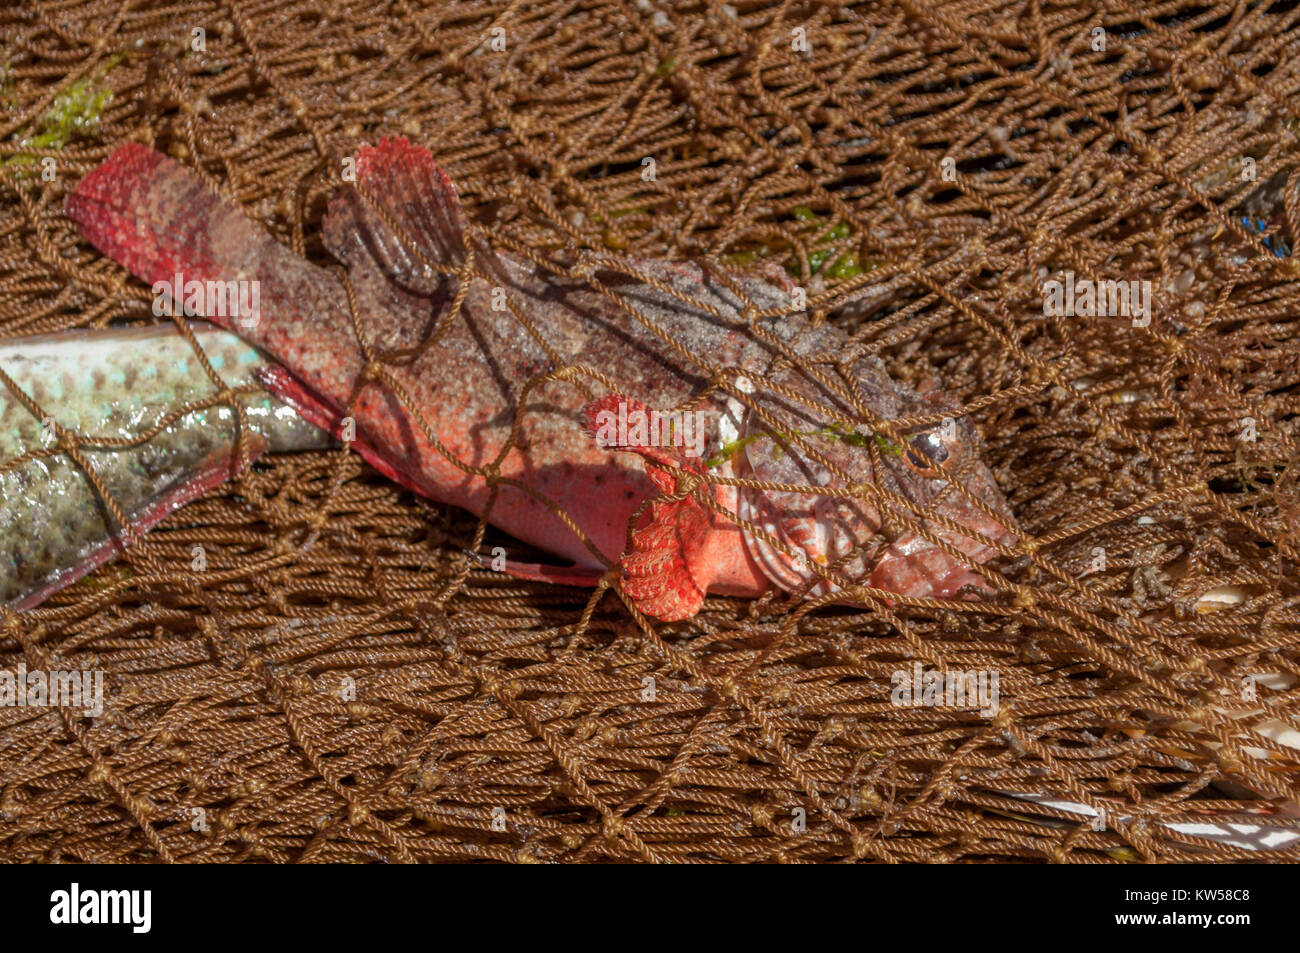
157,218
117,383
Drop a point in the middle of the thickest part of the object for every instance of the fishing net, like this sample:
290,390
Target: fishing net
341,683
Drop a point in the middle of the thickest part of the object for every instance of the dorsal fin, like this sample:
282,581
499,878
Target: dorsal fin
403,213
405,318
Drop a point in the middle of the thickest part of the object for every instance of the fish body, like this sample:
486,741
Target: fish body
433,341
118,384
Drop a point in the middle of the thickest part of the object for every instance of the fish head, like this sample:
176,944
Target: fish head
861,506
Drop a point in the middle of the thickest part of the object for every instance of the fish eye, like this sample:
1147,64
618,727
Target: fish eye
926,454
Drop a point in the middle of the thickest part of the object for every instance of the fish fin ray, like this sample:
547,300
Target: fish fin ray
660,573
404,318
160,221
409,216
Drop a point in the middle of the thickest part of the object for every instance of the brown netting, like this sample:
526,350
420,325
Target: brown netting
500,720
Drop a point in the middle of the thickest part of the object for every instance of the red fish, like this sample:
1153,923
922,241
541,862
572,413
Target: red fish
434,346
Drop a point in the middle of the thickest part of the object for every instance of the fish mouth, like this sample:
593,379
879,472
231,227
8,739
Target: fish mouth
909,566
914,567
826,544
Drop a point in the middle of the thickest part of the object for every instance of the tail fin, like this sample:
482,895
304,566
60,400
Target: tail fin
158,219
161,221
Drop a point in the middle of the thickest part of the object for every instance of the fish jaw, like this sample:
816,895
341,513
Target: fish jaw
914,567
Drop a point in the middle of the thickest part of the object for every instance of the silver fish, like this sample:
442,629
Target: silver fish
119,383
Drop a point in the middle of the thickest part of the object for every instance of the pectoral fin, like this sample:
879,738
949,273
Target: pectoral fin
663,574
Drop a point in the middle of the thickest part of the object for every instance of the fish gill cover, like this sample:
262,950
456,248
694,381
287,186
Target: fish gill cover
1075,221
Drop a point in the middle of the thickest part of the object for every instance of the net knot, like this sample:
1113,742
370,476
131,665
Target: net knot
687,483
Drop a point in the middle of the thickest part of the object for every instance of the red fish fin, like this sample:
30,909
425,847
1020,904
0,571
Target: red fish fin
320,414
158,218
538,572
397,317
662,574
409,216
215,469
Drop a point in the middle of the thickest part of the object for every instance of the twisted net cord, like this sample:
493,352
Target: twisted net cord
479,698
